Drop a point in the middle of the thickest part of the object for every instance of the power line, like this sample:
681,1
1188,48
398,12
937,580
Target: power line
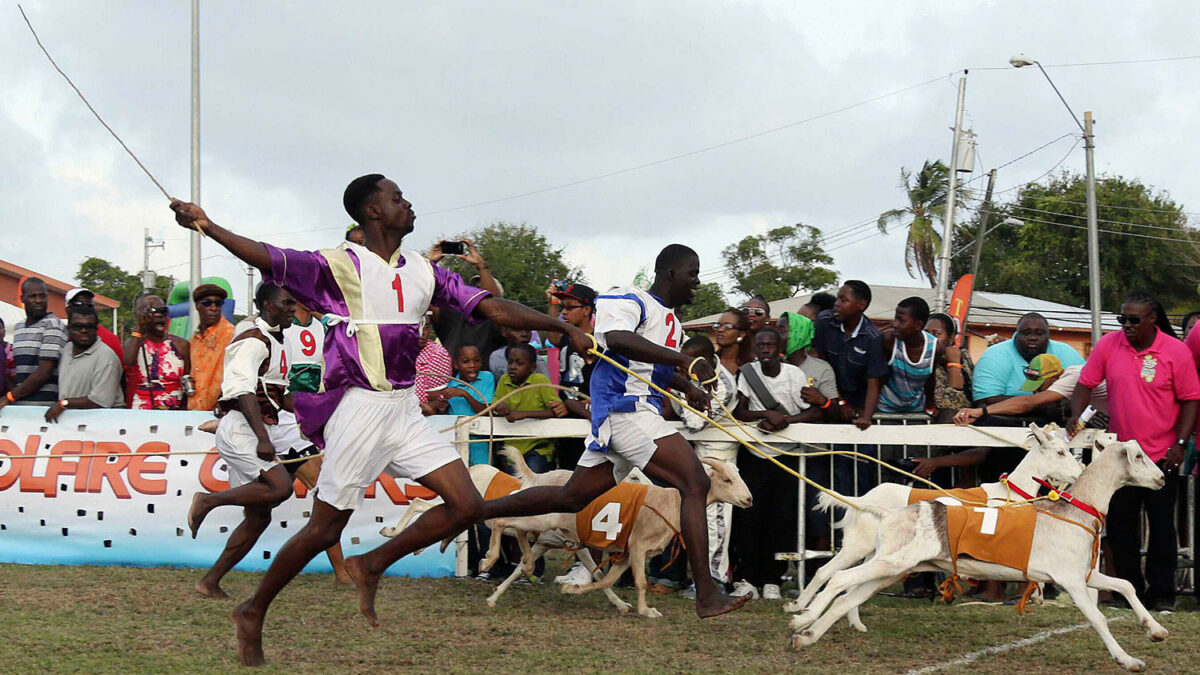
1101,220
1116,232
1132,208
1098,63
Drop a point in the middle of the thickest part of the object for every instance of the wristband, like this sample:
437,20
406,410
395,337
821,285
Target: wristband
983,409
10,398
841,401
954,365
828,402
136,334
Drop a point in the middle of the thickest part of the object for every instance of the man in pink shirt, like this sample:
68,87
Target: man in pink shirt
1152,392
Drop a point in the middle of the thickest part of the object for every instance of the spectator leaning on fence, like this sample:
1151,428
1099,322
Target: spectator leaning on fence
1153,391
769,393
156,362
207,348
37,348
1000,372
821,390
89,374
848,340
470,398
1047,383
913,353
953,372
529,403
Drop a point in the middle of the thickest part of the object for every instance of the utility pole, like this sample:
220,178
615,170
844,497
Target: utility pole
194,269
1093,242
249,290
943,280
149,278
985,217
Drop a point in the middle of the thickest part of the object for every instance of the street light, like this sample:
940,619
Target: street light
1089,146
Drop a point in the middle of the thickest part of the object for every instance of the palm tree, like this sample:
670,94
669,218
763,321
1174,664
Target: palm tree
926,204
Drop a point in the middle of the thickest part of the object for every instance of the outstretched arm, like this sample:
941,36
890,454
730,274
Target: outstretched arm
247,250
511,314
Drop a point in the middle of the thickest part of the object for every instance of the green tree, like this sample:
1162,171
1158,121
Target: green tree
780,263
709,300
521,258
926,207
103,277
1046,258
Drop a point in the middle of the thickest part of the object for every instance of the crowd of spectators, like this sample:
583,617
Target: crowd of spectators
825,363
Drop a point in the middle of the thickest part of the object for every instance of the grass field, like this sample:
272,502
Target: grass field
106,619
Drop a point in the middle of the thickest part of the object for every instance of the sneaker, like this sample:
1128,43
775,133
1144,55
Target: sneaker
689,592
483,576
576,576
771,592
744,587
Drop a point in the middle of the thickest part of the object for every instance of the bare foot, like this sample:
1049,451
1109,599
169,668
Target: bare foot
210,590
196,513
342,578
720,604
248,625
367,584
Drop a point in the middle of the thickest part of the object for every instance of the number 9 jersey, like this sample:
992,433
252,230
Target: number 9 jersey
641,312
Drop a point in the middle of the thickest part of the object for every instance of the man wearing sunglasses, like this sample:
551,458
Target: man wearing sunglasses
208,345
89,374
82,297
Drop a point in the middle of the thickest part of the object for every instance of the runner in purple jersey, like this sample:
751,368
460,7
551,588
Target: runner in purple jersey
366,415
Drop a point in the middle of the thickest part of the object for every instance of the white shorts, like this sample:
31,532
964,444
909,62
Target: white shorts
374,432
238,446
630,437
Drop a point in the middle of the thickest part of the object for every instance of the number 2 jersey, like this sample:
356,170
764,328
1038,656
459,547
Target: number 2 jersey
641,312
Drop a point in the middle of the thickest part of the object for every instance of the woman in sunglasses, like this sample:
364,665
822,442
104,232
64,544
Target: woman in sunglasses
1152,399
729,334
155,361
758,312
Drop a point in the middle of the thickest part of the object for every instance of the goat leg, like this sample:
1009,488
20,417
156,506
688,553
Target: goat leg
1103,582
1078,590
585,557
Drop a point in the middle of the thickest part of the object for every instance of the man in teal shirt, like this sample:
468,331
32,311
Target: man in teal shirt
1000,372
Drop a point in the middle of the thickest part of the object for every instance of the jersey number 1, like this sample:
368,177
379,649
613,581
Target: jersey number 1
608,520
399,294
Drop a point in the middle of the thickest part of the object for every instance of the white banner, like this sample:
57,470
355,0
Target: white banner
60,508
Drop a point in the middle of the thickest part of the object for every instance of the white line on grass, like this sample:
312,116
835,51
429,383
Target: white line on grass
1000,649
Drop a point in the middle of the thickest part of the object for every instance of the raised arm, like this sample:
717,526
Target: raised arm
193,217
511,314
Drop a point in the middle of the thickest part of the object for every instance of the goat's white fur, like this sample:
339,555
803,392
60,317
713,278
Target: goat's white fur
915,539
1048,458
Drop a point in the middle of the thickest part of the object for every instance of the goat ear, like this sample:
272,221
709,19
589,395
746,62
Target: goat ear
711,465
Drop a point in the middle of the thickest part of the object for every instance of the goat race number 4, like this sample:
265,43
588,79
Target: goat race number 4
608,520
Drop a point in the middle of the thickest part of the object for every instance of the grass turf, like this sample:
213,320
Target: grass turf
113,619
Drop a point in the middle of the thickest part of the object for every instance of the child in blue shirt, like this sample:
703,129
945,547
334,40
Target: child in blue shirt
464,400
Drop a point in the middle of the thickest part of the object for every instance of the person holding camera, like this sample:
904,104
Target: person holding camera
451,327
156,362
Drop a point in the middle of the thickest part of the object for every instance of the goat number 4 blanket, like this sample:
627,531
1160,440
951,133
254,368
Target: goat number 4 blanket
607,521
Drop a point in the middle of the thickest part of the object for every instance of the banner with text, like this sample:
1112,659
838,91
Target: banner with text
128,506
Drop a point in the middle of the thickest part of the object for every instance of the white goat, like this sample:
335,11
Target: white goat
916,538
650,534
1049,458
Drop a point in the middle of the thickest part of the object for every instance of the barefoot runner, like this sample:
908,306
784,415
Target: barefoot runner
640,330
367,417
254,430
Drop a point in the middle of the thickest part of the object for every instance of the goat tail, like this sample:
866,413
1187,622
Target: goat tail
853,506
517,458
828,501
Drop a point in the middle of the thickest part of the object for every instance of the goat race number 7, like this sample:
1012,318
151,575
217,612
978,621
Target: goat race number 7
608,520
990,516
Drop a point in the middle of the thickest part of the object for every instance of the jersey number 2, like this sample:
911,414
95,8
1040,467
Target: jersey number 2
608,520
399,294
672,341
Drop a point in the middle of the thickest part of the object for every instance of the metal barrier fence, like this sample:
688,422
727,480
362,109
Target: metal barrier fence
894,437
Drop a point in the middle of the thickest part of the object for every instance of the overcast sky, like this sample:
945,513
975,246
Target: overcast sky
466,102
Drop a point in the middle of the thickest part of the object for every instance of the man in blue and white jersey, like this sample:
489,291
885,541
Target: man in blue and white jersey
639,330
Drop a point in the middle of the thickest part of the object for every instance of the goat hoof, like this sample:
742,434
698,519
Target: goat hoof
389,532
624,608
801,621
803,639
793,607
1159,635
859,626
1133,665
491,602
796,643
571,589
